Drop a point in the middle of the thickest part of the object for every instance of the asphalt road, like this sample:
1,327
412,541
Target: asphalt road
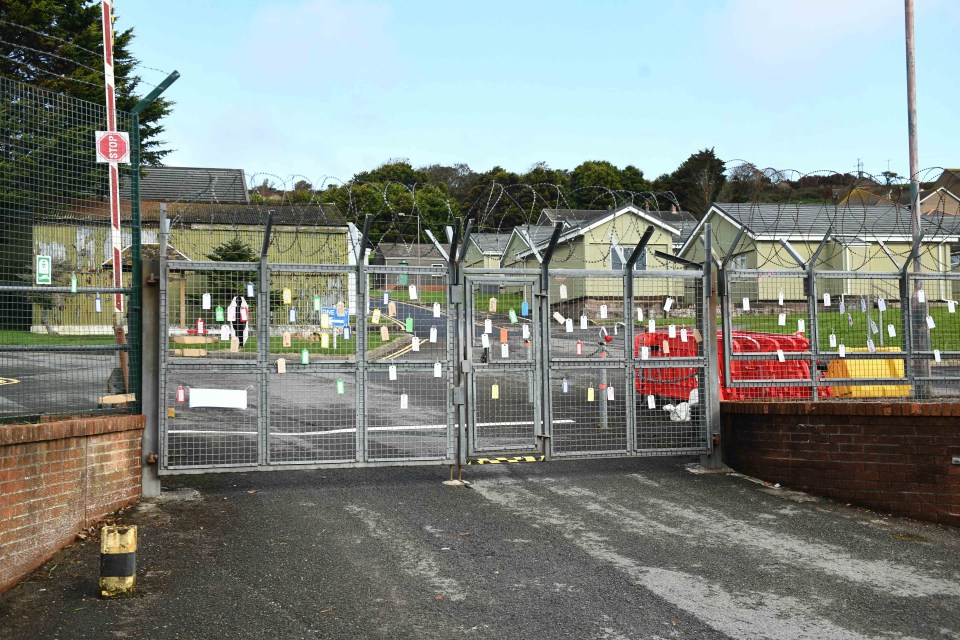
612,549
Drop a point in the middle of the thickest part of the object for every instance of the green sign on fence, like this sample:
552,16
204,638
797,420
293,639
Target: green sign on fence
44,270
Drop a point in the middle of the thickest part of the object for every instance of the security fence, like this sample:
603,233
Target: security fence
835,335
63,349
278,365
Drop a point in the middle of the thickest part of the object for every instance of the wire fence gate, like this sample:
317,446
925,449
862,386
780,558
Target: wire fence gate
268,366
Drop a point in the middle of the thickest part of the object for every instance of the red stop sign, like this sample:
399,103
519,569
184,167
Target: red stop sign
112,146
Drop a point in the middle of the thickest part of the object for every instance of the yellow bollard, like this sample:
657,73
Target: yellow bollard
118,560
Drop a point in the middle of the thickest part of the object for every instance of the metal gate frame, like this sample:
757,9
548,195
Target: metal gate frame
459,371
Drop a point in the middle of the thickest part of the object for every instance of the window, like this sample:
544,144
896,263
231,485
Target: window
739,261
616,264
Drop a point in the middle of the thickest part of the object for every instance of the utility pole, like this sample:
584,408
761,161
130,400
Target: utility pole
912,128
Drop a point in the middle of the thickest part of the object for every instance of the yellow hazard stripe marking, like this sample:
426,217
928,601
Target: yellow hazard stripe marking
507,460
8,381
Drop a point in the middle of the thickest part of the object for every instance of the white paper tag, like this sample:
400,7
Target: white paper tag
281,365
842,351
386,297
603,312
504,350
403,401
826,299
683,335
392,372
936,355
415,344
639,314
590,394
951,306
668,304
873,327
833,341
433,334
569,325
801,325
651,402
891,331
413,291
437,370
493,305
672,331
782,320
842,306
436,309
558,317
930,323
583,322
224,332
563,292
206,301
780,355
644,353
610,394
293,315
488,326
881,304
863,305
921,296
746,304
872,348
780,299
651,325
249,289
98,304
526,332
495,391
485,341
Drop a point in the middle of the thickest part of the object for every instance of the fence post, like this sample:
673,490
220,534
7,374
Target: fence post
628,335
711,384
150,361
263,344
361,376
545,401
462,334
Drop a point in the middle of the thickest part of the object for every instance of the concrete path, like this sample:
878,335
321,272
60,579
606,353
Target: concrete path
589,550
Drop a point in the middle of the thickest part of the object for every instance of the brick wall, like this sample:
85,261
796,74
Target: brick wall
58,478
893,457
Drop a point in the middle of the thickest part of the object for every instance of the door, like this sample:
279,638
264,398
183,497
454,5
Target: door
504,377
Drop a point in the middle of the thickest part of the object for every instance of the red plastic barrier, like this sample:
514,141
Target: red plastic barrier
678,382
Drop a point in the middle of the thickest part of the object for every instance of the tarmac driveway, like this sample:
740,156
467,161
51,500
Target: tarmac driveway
605,549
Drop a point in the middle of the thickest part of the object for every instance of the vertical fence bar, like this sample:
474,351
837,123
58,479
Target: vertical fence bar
361,359
709,374
263,346
546,402
462,334
629,333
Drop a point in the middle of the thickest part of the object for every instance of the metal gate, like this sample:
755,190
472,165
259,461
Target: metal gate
267,366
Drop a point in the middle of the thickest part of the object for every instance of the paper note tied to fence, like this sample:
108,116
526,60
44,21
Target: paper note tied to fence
219,398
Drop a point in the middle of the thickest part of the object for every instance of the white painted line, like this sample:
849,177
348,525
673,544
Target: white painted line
408,427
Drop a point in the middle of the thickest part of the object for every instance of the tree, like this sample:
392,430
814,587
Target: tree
697,182
591,184
57,45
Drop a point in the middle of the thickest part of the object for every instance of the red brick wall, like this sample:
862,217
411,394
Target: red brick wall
893,457
59,477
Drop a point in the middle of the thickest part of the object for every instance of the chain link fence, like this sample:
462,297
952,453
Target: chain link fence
63,351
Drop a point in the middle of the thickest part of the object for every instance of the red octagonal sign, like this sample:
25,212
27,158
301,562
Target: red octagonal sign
113,146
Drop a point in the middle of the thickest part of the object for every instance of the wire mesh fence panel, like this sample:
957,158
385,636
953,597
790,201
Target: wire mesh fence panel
860,327
587,316
670,383
588,411
935,335
503,348
62,345
211,311
408,315
505,408
313,416
408,413
312,315
210,418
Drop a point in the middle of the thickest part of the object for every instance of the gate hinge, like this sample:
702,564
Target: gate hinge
459,396
456,293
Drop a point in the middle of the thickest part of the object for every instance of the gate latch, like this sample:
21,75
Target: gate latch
459,397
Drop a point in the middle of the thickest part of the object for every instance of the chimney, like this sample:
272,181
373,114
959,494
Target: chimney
673,208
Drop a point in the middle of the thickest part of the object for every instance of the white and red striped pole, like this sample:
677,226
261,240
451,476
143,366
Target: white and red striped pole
116,238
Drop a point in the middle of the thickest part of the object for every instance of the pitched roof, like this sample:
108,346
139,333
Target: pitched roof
490,244
813,221
569,217
682,220
190,184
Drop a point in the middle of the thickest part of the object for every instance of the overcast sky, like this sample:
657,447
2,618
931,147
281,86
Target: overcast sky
331,87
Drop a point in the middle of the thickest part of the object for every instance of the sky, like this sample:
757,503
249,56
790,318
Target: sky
323,89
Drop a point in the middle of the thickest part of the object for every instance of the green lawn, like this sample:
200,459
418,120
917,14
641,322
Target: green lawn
343,348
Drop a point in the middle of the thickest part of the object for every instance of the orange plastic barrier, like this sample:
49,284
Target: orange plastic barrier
678,382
